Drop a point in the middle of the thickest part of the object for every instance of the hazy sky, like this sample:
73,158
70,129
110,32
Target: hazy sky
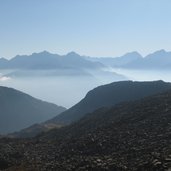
89,27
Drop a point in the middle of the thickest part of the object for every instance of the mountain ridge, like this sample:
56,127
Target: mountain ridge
128,136
47,60
20,110
102,96
113,93
130,60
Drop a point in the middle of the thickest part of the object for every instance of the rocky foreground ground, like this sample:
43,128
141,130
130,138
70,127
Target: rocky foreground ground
133,136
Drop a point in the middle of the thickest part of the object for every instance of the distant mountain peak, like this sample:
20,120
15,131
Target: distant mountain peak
3,59
133,54
42,53
159,52
72,53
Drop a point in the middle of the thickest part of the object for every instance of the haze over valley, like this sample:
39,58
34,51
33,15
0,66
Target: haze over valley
67,75
85,85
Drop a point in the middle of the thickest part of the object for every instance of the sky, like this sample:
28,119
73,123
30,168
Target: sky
88,27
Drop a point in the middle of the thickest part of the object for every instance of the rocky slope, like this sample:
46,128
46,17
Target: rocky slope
130,136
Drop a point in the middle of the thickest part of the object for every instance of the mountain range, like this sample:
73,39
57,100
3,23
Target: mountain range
102,96
158,60
133,135
117,61
47,61
45,64
19,110
109,95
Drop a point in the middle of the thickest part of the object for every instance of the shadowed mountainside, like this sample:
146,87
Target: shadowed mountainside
132,136
102,96
19,110
108,95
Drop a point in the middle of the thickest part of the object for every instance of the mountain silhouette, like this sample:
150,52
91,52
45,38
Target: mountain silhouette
46,60
45,64
19,110
102,96
117,61
158,60
132,135
108,95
